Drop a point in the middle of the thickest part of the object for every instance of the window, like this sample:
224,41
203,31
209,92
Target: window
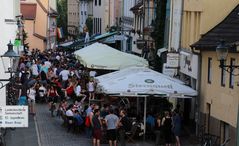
97,25
100,25
209,74
81,12
99,2
223,76
85,12
231,81
94,25
95,2
225,130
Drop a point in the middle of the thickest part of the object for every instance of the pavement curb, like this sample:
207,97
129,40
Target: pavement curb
37,131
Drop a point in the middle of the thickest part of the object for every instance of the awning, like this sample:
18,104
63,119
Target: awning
160,51
185,53
65,44
79,43
112,39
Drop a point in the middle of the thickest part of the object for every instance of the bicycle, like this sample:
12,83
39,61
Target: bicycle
209,140
226,142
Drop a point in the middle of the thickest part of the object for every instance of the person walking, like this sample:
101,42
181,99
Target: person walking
124,126
158,129
88,120
97,125
167,123
31,94
111,121
52,95
177,121
91,89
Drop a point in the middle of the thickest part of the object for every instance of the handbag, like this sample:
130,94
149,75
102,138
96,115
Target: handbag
87,121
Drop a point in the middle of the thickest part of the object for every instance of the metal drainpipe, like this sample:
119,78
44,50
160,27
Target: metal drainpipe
122,25
109,13
48,24
143,18
170,26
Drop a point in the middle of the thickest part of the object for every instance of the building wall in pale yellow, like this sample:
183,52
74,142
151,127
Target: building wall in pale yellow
40,25
200,16
52,4
224,100
214,11
33,41
45,3
41,22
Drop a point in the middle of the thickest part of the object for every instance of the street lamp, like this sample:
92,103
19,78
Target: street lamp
222,52
10,61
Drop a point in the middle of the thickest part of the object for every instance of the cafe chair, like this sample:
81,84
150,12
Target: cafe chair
131,134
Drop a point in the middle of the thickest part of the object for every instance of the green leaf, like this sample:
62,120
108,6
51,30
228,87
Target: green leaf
17,43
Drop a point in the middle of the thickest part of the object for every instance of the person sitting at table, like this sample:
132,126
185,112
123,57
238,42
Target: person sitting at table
111,121
79,120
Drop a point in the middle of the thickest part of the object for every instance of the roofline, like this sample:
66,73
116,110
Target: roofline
206,46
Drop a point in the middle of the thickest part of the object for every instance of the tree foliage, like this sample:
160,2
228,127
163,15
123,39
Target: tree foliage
89,24
62,17
159,29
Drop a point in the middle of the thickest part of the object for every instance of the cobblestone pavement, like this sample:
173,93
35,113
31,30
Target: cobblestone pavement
23,136
52,133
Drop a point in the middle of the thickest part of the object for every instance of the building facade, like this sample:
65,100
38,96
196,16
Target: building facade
40,23
9,10
84,5
142,16
218,89
73,16
106,13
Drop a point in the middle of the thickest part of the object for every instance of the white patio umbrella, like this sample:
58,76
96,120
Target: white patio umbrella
142,82
101,56
137,81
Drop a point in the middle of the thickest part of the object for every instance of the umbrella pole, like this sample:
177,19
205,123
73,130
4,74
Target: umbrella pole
145,106
138,108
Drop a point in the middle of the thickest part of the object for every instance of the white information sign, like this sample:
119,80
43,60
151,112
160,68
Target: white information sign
172,72
173,60
189,64
13,116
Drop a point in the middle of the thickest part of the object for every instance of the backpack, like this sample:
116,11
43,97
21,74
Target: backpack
87,121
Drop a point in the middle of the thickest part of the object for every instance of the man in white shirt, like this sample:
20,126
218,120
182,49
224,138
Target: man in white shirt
69,113
42,93
64,76
34,69
47,63
78,90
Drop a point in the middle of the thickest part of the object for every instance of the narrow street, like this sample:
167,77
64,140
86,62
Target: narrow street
52,133
45,130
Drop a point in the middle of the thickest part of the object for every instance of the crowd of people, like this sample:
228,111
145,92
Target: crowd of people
59,79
